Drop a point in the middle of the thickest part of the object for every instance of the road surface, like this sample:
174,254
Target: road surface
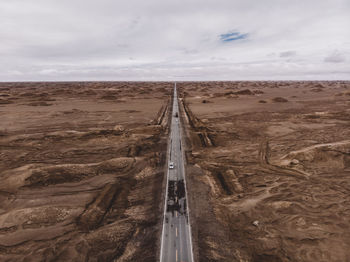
176,242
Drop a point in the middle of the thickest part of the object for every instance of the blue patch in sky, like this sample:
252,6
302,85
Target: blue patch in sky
232,36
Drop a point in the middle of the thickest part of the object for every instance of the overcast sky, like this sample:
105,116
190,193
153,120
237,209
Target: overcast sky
174,40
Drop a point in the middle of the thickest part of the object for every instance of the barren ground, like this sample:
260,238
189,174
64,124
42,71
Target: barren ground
269,170
82,166
82,169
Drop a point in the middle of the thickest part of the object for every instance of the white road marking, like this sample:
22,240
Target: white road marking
183,243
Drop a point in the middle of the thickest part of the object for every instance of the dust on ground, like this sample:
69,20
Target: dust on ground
82,168
268,170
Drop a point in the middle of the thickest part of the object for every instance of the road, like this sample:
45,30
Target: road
176,242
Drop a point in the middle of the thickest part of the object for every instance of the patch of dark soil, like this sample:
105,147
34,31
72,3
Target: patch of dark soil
42,103
102,133
317,90
5,102
95,211
265,258
8,229
161,115
130,111
223,183
57,175
108,97
279,100
244,92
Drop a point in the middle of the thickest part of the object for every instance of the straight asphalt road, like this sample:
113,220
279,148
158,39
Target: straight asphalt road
176,242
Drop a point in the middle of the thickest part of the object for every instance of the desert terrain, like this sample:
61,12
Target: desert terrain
268,170
82,168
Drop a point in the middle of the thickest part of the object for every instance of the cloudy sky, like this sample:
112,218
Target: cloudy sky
174,40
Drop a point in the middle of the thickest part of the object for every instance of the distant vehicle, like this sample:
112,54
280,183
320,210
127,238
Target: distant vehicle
171,165
176,114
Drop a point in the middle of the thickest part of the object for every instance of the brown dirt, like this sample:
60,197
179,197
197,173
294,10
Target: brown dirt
268,181
82,167
279,100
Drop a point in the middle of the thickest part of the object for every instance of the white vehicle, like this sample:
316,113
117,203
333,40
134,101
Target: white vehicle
171,165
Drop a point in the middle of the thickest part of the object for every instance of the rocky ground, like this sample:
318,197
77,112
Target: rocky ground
268,170
82,167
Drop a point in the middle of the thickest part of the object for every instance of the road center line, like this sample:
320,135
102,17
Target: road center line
175,185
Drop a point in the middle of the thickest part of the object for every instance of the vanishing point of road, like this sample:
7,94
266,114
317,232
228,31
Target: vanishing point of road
176,241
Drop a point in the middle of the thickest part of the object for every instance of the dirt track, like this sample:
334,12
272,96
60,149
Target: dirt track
268,168
82,166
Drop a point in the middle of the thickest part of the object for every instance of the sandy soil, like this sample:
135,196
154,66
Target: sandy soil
268,170
82,167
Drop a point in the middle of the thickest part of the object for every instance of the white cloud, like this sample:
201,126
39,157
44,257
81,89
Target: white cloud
167,40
